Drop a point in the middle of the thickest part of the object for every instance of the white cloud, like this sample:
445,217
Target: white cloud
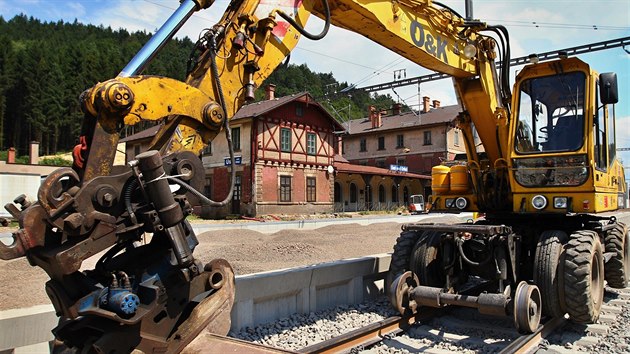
77,9
134,15
354,59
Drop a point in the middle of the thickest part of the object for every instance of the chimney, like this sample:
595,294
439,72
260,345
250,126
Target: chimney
396,109
436,104
375,117
11,155
339,145
425,104
270,92
33,153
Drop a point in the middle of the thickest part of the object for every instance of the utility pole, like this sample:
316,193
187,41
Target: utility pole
469,10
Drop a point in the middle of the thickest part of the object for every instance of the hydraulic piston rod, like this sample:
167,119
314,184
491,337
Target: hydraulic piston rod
159,39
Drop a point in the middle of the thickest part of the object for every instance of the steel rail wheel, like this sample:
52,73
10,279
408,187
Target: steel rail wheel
527,308
401,257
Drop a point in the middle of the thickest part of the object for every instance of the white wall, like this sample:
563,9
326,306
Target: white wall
12,185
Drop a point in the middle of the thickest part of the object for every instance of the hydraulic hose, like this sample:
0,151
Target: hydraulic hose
205,200
460,243
448,8
226,125
301,29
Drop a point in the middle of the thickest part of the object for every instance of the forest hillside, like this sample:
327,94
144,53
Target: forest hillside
45,66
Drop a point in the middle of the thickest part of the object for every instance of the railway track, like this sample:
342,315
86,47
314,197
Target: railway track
464,330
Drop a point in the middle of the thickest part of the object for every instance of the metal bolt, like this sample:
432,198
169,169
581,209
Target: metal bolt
119,96
213,115
108,199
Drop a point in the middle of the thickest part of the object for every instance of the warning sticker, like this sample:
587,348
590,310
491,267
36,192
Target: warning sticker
289,7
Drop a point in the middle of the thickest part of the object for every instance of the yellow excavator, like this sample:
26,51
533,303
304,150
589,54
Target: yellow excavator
546,169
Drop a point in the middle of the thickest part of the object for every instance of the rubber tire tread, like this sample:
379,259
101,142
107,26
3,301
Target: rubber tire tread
425,262
614,269
401,256
578,297
546,270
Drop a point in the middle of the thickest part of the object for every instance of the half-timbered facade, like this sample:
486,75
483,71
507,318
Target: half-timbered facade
284,150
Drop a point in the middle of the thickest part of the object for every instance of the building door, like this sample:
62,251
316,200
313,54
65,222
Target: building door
236,198
338,193
352,206
405,194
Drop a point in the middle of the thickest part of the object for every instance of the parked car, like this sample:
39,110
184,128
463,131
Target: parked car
416,204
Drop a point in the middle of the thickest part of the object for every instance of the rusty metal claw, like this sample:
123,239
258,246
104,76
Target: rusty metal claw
12,251
51,196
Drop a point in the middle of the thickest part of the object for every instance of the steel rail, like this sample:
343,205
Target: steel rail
370,334
525,344
377,331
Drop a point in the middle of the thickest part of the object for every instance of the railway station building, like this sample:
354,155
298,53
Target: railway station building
293,157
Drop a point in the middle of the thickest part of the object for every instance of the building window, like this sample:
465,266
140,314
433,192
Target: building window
285,139
381,143
401,161
338,192
207,150
311,143
400,141
381,194
311,189
207,187
427,138
299,110
285,188
456,140
362,145
238,190
394,194
353,193
380,163
236,138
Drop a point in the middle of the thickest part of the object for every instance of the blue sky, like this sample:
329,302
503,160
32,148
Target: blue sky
534,26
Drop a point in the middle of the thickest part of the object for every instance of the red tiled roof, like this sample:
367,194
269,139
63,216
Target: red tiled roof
339,158
259,108
371,170
405,120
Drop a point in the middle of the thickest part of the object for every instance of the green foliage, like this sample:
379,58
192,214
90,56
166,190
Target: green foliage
55,161
18,159
45,66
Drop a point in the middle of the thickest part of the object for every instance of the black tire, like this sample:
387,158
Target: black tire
426,262
546,270
583,276
402,255
617,269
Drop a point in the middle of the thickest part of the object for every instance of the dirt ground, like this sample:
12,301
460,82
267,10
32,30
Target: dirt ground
22,285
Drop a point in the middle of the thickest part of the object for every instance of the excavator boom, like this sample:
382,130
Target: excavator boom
148,292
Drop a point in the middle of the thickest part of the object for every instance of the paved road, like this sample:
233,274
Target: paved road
275,226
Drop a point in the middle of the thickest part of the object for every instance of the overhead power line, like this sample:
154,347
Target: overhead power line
586,48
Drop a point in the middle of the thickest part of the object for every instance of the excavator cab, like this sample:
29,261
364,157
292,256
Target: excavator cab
562,121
